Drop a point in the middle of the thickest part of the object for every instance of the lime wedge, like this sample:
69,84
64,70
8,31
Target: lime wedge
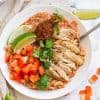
23,40
87,14
18,31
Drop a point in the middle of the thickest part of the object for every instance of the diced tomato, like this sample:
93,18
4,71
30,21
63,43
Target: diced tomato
21,62
32,72
8,57
22,81
82,97
63,24
17,56
24,66
16,69
86,94
37,62
87,97
88,90
30,69
25,59
33,69
82,92
12,64
26,77
31,59
73,25
98,71
93,79
34,78
12,76
16,76
23,52
41,70
26,69
29,48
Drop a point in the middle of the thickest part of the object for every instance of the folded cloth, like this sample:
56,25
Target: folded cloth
3,86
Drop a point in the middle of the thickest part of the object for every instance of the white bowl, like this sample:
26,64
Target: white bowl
75,81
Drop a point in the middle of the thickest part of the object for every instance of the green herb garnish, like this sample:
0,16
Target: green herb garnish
41,43
50,53
49,43
46,64
36,53
43,82
45,53
56,28
58,16
7,97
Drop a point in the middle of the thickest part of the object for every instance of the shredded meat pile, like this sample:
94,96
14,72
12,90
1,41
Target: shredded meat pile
42,24
68,55
45,29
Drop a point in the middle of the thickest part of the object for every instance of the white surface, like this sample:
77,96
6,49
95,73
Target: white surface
81,73
95,39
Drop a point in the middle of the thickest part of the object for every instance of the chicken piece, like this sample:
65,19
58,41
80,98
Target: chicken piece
63,45
67,65
61,73
54,73
71,46
57,56
65,68
60,57
59,47
75,58
72,66
66,34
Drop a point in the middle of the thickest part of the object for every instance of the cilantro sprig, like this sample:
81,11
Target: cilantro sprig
45,52
43,82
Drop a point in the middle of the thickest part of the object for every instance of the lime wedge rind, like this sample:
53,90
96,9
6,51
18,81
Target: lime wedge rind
23,44
23,40
18,31
87,14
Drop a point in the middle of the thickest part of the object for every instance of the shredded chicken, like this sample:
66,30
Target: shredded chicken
68,55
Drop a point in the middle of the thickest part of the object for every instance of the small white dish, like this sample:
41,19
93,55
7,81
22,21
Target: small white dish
75,81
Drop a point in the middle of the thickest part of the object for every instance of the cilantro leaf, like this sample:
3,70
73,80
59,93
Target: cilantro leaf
43,82
49,43
41,43
46,64
36,53
50,53
43,55
45,52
